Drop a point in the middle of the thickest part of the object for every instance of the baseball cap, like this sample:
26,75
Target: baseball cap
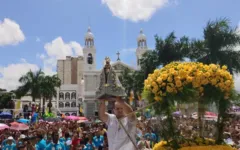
10,138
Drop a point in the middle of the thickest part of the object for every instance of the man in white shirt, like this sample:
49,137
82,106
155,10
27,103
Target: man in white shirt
117,137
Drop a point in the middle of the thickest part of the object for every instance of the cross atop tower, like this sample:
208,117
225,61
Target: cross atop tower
118,54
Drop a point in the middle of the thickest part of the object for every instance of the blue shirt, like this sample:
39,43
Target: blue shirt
5,142
64,142
98,141
41,145
10,147
88,146
58,146
151,136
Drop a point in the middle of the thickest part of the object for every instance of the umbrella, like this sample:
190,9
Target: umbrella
72,118
23,121
177,113
82,118
82,121
6,115
210,114
3,126
18,126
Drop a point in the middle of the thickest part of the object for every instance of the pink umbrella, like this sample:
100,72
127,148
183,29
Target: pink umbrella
210,114
72,118
19,126
3,126
82,118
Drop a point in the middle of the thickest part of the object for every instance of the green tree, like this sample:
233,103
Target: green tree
126,79
31,84
48,89
218,46
170,49
6,101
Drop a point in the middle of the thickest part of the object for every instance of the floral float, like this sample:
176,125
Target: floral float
195,144
187,82
174,77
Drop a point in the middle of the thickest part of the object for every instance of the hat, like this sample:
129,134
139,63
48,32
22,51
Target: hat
10,138
22,136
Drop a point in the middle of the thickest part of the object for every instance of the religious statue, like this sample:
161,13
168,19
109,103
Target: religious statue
109,86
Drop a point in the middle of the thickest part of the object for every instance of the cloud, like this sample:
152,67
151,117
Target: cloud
134,10
58,49
10,74
10,33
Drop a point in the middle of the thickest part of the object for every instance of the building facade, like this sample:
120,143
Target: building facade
80,78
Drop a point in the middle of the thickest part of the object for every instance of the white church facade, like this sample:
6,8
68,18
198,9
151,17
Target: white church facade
80,78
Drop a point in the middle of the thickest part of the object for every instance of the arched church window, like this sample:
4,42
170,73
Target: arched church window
67,104
61,105
73,95
90,59
67,96
61,96
73,104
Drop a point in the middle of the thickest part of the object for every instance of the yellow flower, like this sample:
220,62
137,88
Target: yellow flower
224,67
169,89
175,76
189,79
159,80
157,98
164,76
169,79
178,83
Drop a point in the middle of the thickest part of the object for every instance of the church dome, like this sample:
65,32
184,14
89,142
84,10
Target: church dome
89,34
141,36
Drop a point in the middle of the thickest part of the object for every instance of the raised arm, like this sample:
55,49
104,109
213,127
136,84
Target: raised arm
103,116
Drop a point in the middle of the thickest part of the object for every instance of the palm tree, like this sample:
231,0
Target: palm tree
170,49
218,46
31,83
48,89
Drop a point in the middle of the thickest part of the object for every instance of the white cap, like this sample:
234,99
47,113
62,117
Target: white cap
22,136
10,138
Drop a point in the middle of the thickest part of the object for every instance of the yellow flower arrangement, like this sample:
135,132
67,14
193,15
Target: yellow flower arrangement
172,78
197,144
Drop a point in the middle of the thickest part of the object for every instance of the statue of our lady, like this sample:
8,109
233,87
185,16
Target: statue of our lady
110,86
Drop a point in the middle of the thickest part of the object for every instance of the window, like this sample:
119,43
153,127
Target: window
74,114
90,59
67,104
73,96
67,96
73,104
67,114
61,96
61,105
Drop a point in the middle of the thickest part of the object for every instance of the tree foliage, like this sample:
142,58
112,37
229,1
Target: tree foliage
31,84
218,46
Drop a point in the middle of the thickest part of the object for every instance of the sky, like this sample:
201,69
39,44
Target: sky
35,33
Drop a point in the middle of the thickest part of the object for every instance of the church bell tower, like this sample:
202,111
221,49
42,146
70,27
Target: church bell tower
89,52
141,47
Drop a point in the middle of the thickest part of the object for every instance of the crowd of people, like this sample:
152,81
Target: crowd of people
72,135
62,135
69,135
